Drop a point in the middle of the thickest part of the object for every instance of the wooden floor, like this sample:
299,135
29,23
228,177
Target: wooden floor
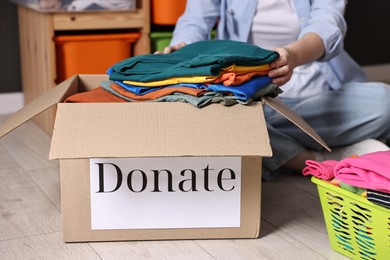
292,224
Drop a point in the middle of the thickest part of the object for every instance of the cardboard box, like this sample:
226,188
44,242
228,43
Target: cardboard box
183,172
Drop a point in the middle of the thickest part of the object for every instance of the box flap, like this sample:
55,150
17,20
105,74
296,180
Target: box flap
154,129
43,102
284,110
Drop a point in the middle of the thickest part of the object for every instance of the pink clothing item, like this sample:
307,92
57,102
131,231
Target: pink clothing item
370,171
321,170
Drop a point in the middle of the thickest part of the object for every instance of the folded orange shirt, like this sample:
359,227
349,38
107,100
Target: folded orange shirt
234,79
94,96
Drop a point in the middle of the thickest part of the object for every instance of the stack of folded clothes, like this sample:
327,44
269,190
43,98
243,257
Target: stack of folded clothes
201,73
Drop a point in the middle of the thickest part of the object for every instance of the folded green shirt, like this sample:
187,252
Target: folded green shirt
203,58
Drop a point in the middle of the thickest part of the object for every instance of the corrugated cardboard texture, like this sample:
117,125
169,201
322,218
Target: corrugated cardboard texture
73,85
285,111
76,209
150,129
50,98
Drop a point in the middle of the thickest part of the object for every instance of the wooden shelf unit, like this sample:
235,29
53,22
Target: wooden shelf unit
37,48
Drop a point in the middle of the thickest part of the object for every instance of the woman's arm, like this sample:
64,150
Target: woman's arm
196,22
326,19
308,48
321,38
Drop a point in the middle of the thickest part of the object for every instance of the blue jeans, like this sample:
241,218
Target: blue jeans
356,112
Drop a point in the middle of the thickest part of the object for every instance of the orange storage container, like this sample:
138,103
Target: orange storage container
91,54
166,12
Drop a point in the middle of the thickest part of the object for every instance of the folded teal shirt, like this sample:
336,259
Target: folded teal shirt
203,58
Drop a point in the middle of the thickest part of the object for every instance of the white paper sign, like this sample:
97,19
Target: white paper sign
152,193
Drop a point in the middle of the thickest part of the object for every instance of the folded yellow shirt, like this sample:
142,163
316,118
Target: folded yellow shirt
189,79
244,69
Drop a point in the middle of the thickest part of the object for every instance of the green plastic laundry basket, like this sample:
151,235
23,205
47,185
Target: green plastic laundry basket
357,228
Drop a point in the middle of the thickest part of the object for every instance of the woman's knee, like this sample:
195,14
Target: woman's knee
379,95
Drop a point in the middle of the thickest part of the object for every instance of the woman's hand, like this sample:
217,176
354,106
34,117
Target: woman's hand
282,68
308,48
170,49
